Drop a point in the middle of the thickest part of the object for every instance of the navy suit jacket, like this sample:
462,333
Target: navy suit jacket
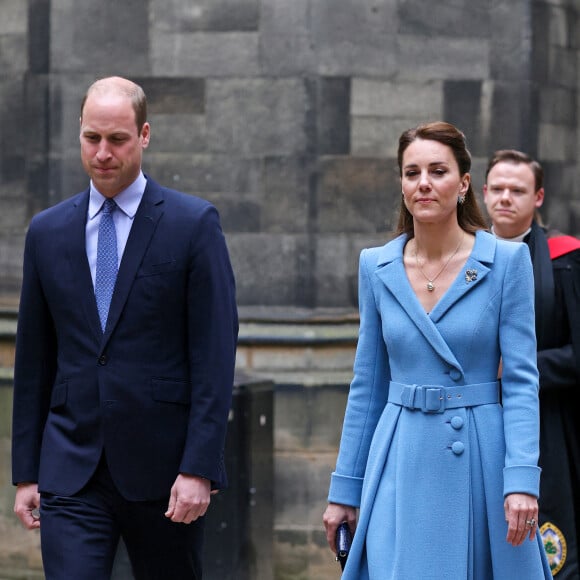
154,390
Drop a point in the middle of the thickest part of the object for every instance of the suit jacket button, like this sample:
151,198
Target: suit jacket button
102,360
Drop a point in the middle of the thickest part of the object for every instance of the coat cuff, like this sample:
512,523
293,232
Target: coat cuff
345,490
522,479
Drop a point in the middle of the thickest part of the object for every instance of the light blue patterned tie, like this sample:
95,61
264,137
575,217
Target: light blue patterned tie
107,261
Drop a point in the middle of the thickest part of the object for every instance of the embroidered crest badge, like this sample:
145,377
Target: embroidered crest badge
555,546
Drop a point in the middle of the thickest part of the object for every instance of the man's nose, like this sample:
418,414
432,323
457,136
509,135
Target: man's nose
505,194
103,149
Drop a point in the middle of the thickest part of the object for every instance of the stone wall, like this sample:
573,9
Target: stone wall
286,114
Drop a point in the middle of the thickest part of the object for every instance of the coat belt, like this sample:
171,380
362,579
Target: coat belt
435,398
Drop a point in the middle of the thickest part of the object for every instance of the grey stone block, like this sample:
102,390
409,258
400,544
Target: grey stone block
286,41
333,116
13,53
396,99
238,214
355,195
442,58
286,201
38,36
11,247
510,41
378,137
204,54
556,142
469,20
179,133
557,104
14,20
205,15
463,108
514,125
174,95
301,483
563,67
359,38
302,418
274,268
205,175
94,42
257,117
12,135
336,271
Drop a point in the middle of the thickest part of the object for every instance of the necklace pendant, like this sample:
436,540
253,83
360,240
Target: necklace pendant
430,286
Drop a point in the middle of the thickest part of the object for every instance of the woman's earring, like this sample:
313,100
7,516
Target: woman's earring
460,199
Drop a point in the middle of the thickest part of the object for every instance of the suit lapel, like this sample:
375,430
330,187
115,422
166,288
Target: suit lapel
148,214
79,264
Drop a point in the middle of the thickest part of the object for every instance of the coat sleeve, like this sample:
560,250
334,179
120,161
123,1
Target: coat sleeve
367,395
520,382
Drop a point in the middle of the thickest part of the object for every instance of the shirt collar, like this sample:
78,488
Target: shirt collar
128,200
519,238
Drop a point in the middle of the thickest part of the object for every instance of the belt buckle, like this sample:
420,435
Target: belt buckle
432,399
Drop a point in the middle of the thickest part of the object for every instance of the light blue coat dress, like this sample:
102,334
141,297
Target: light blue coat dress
428,472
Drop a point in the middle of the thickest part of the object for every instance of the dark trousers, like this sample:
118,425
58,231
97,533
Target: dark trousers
80,534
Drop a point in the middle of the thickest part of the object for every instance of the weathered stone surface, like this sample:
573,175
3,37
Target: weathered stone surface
355,195
205,15
359,38
463,107
237,111
204,54
286,38
278,262
469,20
87,41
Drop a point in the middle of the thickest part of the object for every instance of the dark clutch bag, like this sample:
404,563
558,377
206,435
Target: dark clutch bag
343,543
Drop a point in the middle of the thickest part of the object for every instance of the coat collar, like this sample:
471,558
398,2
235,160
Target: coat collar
391,271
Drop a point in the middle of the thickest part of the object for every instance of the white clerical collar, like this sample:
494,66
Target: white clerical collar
519,238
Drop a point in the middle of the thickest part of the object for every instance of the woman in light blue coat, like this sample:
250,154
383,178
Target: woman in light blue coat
441,459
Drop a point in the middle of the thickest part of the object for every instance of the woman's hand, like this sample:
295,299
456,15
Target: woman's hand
333,516
521,514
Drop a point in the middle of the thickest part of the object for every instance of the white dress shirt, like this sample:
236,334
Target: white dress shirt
127,201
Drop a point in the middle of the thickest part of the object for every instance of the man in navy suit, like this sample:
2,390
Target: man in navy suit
119,426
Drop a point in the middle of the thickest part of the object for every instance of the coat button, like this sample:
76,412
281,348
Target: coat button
457,422
102,360
455,374
457,447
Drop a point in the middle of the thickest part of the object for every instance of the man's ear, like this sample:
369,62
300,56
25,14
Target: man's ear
145,134
539,197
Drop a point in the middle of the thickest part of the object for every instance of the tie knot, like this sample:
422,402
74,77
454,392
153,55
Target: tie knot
109,206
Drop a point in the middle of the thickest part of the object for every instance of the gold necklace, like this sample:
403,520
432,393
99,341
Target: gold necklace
430,285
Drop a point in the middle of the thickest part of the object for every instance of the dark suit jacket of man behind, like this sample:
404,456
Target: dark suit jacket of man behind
152,392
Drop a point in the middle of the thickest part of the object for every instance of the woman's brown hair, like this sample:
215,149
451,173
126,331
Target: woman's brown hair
469,214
